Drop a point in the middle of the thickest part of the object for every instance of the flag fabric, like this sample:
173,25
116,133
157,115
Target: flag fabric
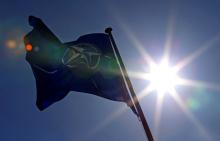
87,65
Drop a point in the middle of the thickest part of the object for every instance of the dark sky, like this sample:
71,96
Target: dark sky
83,117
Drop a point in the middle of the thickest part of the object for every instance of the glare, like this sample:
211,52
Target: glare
163,78
28,47
11,43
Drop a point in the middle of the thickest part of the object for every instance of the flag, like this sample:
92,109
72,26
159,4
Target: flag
87,65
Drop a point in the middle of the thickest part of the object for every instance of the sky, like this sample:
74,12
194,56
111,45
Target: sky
190,28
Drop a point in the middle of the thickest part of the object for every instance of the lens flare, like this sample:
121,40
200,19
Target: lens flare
28,47
193,104
11,44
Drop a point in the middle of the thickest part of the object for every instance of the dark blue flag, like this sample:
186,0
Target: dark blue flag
86,65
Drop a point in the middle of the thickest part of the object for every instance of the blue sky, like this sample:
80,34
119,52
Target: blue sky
83,117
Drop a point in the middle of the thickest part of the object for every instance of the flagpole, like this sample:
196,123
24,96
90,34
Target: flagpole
134,97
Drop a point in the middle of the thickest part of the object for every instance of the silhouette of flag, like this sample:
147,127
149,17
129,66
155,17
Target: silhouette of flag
87,65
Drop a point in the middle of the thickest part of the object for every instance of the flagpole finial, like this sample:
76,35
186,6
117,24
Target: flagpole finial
108,30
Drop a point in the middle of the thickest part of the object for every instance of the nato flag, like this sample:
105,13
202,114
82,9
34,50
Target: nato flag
87,65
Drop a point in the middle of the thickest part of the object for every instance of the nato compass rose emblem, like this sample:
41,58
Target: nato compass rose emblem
82,55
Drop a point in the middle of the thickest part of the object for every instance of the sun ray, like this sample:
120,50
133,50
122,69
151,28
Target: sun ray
108,120
197,83
139,75
141,49
146,56
158,112
169,37
117,113
187,60
145,92
193,119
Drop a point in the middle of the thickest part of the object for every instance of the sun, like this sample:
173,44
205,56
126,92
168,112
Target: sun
163,78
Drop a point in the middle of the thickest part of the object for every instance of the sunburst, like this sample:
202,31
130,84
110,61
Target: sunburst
164,78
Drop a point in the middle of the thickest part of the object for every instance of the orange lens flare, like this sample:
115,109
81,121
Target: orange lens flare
11,43
28,47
